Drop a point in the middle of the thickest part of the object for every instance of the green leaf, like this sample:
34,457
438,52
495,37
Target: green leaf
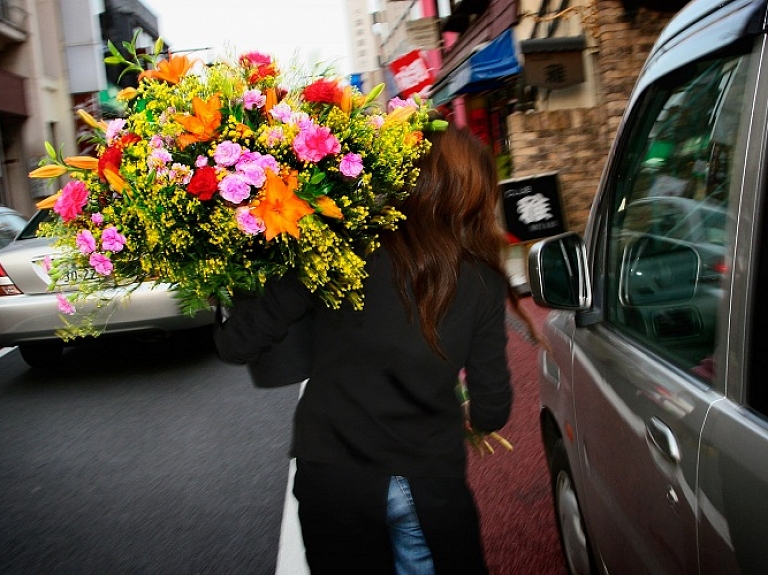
373,94
113,49
317,177
50,150
113,60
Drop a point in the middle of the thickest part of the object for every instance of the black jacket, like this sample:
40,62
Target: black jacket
378,396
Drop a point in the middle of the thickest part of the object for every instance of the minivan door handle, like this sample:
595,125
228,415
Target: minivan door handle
663,438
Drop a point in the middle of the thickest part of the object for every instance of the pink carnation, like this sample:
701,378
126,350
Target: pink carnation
252,173
253,99
227,153
314,142
274,135
376,121
282,112
351,165
397,102
72,200
65,306
112,240
101,264
85,241
248,223
114,129
234,188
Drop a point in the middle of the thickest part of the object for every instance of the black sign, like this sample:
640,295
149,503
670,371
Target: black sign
532,207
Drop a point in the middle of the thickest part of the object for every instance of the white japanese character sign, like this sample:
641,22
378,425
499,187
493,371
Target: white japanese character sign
534,208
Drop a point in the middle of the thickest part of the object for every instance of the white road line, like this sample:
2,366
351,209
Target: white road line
290,555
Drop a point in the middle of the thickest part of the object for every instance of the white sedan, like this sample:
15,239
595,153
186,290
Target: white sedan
29,312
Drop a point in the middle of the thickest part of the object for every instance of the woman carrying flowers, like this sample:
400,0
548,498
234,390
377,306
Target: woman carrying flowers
224,184
379,433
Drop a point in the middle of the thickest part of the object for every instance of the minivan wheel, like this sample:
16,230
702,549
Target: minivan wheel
573,535
45,354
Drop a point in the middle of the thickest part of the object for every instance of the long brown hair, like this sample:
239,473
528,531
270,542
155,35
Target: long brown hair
450,218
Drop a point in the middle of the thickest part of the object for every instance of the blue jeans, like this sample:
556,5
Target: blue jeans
409,547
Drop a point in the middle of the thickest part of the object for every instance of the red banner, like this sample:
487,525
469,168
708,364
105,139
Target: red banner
412,73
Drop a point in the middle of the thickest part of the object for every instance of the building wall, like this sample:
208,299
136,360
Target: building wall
40,61
363,44
57,51
575,141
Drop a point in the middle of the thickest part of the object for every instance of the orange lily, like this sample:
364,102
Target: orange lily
115,180
202,125
346,100
48,171
281,209
83,162
49,202
399,116
91,121
170,70
329,208
127,94
271,96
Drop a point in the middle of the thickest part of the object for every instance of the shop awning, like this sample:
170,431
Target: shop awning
486,69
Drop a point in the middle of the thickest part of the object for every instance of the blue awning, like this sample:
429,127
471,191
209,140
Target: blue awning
487,68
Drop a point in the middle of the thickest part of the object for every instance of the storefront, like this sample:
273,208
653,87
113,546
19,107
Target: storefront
481,92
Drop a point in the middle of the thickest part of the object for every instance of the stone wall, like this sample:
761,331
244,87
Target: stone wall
576,142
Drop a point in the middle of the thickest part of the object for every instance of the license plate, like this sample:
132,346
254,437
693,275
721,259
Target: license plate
78,275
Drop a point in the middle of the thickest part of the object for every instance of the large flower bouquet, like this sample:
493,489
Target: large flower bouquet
222,177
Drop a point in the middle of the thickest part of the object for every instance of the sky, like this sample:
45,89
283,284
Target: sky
307,30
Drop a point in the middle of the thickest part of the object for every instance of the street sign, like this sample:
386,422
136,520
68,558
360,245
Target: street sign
532,207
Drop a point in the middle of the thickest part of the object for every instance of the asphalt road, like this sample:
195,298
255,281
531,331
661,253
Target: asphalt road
141,457
157,458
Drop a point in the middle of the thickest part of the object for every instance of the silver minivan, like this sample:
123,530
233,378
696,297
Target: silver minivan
654,402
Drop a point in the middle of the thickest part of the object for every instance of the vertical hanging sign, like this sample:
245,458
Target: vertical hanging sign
411,73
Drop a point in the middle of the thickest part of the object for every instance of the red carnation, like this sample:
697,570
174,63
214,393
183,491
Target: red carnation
127,140
262,72
203,183
111,158
262,64
324,92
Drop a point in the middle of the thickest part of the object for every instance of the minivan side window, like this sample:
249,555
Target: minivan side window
667,244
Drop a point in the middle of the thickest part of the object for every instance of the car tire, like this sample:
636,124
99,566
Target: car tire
45,354
570,524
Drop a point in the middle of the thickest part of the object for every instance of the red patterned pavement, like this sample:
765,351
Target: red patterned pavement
512,488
